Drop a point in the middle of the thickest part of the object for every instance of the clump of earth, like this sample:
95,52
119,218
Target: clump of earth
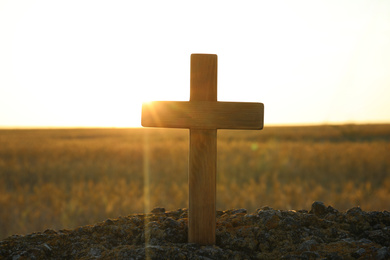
321,233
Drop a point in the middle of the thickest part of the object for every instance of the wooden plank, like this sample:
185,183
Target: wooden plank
203,81
202,186
202,168
203,115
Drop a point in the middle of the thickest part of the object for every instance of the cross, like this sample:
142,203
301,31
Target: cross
203,115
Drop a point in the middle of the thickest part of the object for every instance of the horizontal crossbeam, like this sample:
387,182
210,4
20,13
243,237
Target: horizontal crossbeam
203,115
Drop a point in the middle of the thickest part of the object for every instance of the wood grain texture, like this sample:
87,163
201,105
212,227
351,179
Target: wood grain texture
203,115
203,79
202,186
202,167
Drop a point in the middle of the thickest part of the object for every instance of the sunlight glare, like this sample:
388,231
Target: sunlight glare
97,68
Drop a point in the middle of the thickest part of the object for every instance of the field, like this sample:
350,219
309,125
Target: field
64,178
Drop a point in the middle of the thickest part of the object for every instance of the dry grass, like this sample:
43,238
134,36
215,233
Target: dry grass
70,177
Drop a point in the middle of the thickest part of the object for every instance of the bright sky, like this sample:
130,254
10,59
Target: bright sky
93,63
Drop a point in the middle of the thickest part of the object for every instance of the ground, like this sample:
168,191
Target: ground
321,233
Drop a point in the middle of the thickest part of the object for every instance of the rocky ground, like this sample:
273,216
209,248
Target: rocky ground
321,233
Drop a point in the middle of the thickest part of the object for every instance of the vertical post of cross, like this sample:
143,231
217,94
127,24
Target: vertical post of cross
202,157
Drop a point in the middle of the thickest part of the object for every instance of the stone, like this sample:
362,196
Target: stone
358,253
308,245
318,208
158,210
264,234
383,253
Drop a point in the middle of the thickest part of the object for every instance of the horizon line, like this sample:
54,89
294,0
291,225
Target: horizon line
126,127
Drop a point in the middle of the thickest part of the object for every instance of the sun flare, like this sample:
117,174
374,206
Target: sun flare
98,68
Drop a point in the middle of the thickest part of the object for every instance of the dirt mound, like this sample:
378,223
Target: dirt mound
321,233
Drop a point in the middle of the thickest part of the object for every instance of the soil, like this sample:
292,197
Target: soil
321,233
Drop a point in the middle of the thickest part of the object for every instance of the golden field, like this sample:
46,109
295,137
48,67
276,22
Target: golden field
64,178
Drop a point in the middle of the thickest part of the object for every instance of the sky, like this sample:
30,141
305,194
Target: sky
91,63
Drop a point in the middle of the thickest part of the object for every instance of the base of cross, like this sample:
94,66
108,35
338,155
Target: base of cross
203,115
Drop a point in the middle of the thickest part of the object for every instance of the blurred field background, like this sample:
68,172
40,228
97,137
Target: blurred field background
64,178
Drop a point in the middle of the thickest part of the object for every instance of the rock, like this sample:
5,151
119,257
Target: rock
318,208
308,245
383,253
321,233
158,210
358,253
272,222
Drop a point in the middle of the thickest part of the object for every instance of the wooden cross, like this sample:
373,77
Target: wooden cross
203,115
